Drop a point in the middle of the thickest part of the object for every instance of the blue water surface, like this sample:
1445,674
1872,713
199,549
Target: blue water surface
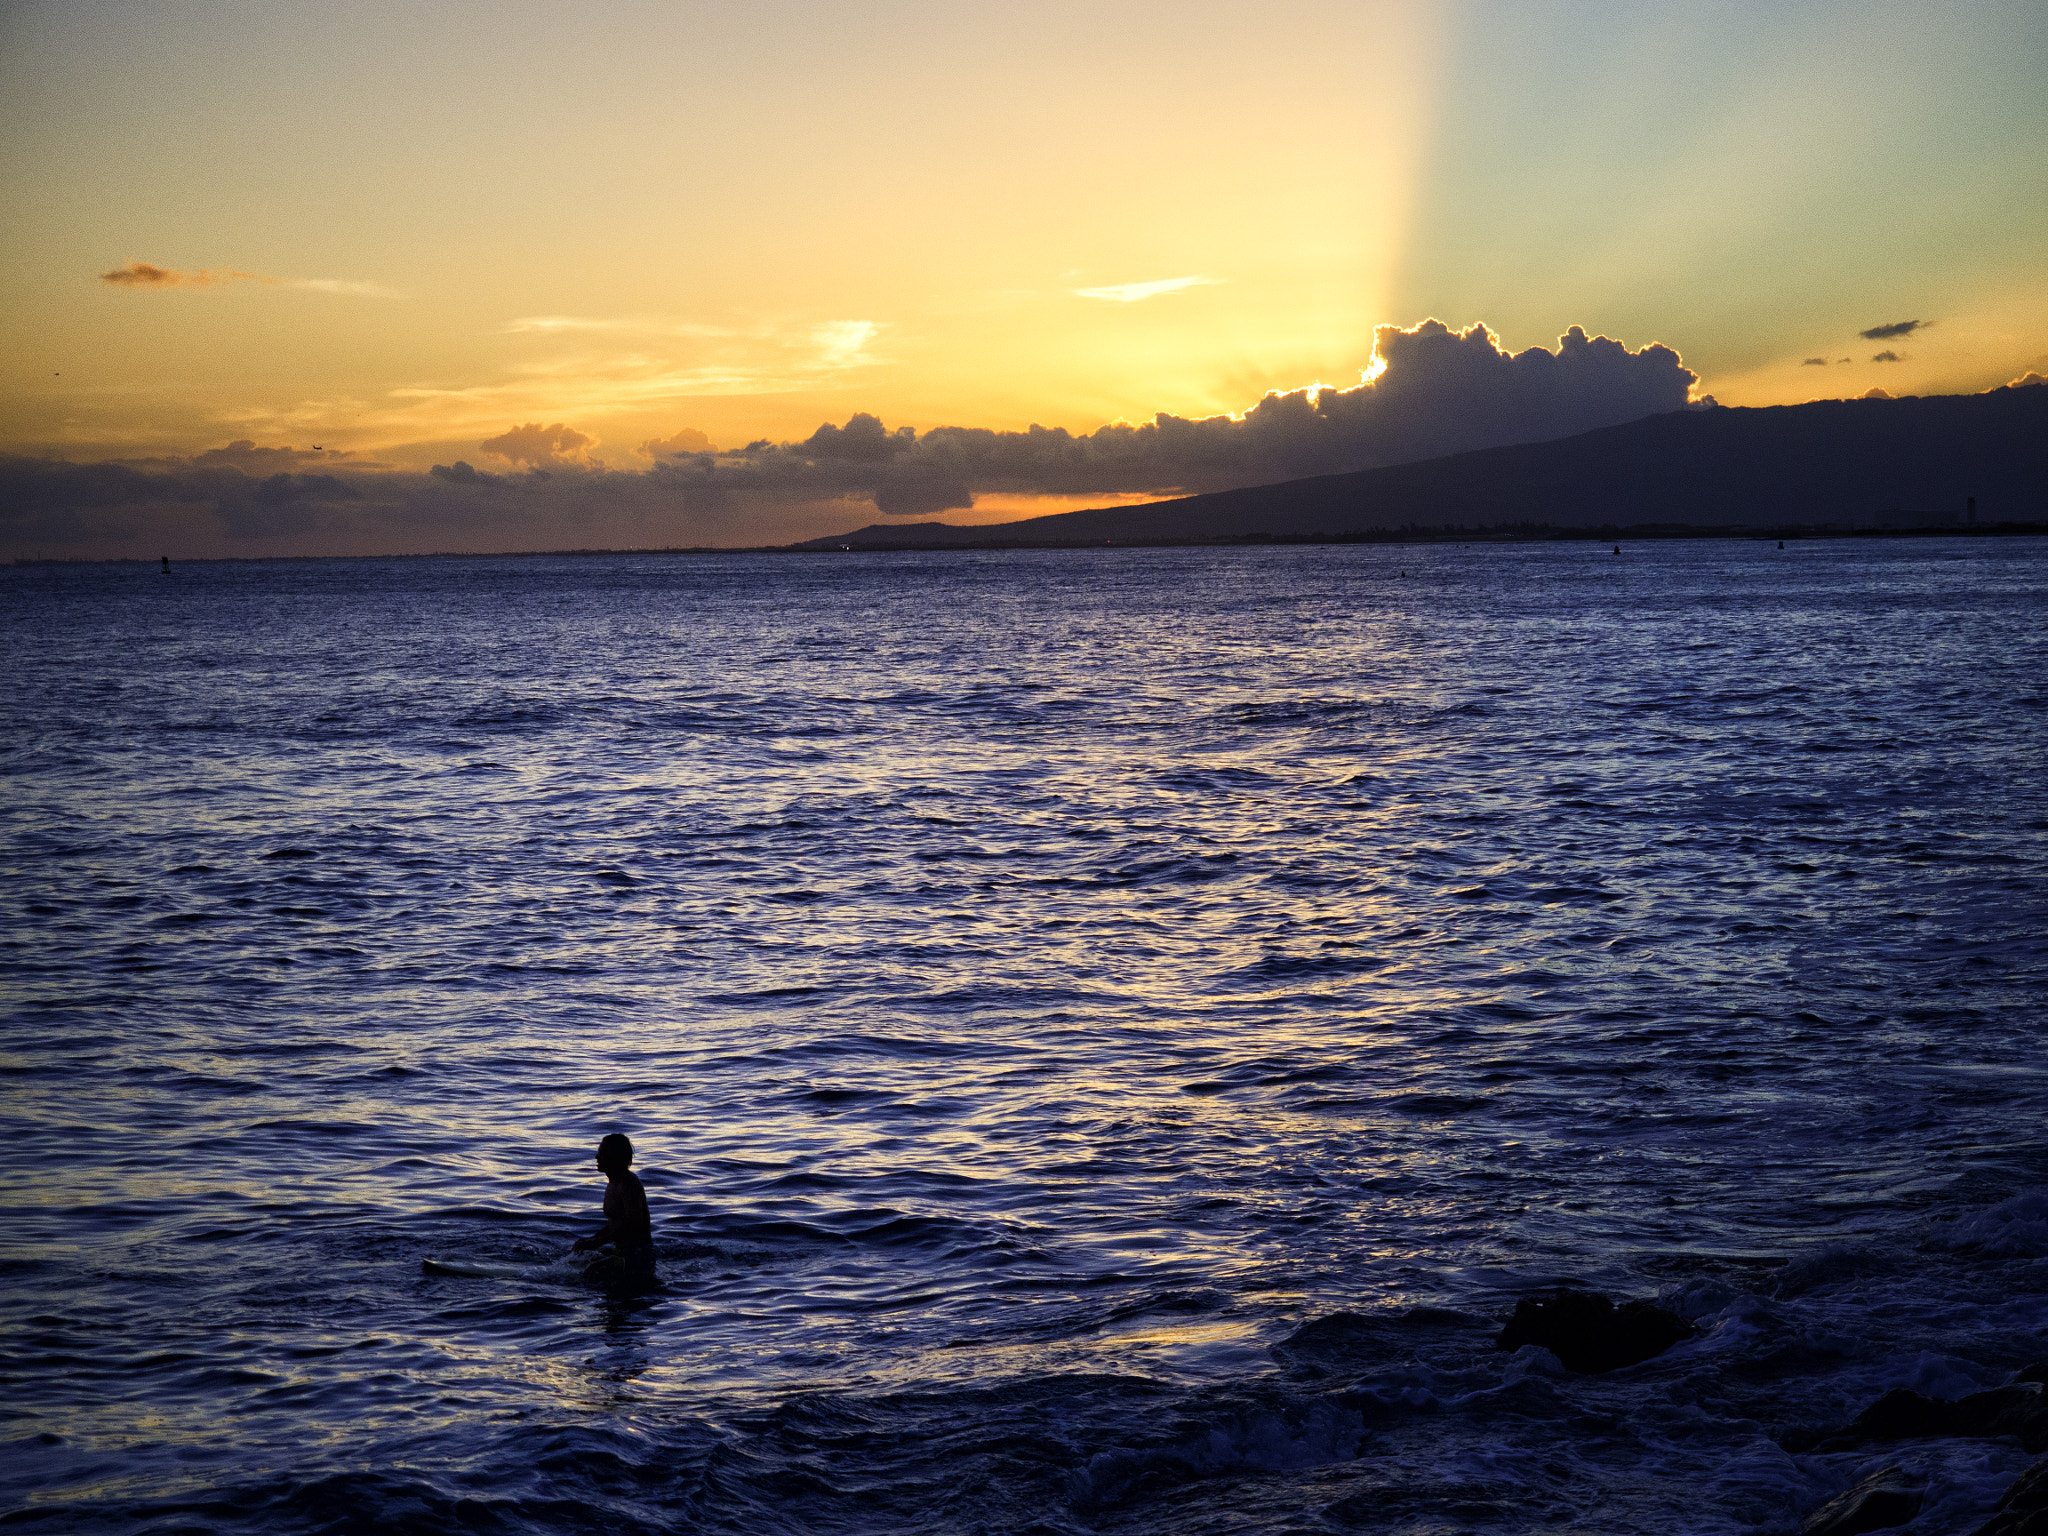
1108,1034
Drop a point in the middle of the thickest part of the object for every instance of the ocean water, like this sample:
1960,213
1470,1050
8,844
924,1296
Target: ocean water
1108,1035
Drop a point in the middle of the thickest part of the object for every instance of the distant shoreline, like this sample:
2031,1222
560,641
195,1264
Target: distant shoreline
1537,534
1631,533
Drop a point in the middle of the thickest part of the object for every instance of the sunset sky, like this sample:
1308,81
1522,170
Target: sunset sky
400,231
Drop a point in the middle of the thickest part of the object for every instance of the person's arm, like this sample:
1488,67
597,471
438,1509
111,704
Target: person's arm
604,1234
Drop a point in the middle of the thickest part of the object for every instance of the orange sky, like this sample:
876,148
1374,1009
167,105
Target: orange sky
398,232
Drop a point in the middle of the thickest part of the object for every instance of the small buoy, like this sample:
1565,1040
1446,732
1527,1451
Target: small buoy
1617,549
1781,543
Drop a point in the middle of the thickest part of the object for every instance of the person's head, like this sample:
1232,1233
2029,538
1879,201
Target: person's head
615,1151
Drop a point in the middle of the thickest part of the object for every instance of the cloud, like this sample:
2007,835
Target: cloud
687,440
1896,328
539,446
2028,380
52,499
550,324
143,274
841,343
1876,393
1427,390
585,374
281,505
1815,362
1130,293
1886,357
863,440
343,286
463,473
557,324
244,455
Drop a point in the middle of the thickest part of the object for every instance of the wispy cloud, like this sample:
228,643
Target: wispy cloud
340,285
636,325
1130,293
585,367
546,325
617,324
843,343
143,274
771,357
1896,328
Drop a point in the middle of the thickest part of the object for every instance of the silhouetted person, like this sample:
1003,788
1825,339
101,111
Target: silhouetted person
626,1225
167,565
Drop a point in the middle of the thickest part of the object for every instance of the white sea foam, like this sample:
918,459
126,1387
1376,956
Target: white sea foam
2014,1228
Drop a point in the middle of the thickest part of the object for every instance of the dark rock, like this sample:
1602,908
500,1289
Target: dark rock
1339,1328
1903,1415
1426,1504
1882,1500
1355,1343
1801,1438
2029,1491
2019,1410
2016,1523
1589,1333
2024,1509
2038,1371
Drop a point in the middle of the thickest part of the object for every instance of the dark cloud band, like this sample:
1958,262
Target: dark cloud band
1436,391
1439,391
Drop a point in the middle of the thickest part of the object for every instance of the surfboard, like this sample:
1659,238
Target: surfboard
566,1268
470,1271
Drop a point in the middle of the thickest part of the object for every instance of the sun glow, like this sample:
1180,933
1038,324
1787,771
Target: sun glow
1093,216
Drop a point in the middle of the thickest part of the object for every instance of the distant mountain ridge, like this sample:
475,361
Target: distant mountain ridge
1839,463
